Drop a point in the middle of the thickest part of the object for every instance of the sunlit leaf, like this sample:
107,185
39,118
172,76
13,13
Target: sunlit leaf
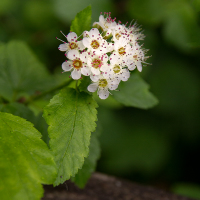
82,21
71,117
25,160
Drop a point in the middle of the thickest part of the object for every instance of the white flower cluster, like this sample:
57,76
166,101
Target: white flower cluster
107,56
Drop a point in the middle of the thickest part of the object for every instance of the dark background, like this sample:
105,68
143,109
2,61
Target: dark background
159,146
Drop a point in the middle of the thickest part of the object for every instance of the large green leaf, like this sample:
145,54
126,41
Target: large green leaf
25,160
71,116
134,92
82,21
89,166
20,72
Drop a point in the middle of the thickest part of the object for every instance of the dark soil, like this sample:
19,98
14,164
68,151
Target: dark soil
103,187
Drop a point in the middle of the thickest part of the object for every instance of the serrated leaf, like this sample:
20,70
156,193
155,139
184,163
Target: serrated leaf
82,21
71,117
25,160
89,166
134,92
20,71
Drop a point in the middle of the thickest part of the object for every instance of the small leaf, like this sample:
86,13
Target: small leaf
89,166
71,117
134,92
82,21
25,160
20,71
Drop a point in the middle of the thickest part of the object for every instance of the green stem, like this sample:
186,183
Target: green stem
77,85
39,96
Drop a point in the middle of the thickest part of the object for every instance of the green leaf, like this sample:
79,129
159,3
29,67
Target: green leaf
25,160
82,21
71,117
134,92
20,71
18,109
23,111
89,166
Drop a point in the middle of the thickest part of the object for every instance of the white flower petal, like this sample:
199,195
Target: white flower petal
113,85
80,45
105,67
101,19
71,37
94,33
67,66
103,93
86,42
139,66
92,87
94,77
85,71
125,75
84,56
131,65
76,74
95,71
72,54
63,47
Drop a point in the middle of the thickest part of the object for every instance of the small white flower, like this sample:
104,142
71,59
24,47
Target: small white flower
107,23
120,31
122,48
77,63
98,63
117,69
102,85
136,58
95,43
72,44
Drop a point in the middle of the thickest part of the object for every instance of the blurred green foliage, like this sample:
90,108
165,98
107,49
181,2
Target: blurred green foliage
160,146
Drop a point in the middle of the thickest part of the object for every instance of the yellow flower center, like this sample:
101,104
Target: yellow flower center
103,83
96,63
95,44
135,57
116,69
122,51
77,64
73,45
117,36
